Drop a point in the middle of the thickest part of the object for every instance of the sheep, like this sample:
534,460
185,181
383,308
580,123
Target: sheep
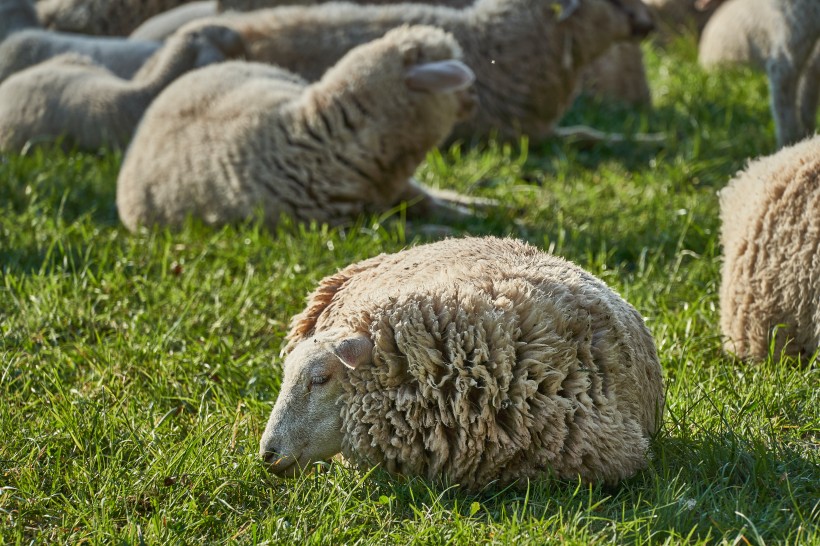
472,361
28,47
770,287
72,96
782,36
225,140
618,74
526,55
161,26
100,17
16,15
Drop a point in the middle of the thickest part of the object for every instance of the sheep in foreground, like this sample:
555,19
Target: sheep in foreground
100,17
71,96
527,54
224,141
783,36
16,15
771,246
26,48
475,360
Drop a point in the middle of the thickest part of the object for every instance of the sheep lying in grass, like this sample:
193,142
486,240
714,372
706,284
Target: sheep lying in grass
771,247
783,36
16,15
100,17
71,96
224,141
475,361
26,48
527,54
618,74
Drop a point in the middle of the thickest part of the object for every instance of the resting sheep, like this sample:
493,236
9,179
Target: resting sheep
474,361
71,96
100,17
161,26
527,54
26,48
771,246
16,15
224,141
782,36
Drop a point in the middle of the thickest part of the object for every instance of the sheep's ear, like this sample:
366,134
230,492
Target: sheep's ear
441,76
354,351
565,8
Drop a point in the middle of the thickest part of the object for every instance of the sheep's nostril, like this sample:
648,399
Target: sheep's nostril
270,456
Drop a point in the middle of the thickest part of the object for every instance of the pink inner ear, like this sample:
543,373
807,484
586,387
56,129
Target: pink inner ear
354,351
440,76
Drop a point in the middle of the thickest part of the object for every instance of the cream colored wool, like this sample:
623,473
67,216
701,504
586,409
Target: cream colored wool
224,142
491,362
161,26
71,96
100,17
527,62
771,246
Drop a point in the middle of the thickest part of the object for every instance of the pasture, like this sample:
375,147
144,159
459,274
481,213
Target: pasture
137,371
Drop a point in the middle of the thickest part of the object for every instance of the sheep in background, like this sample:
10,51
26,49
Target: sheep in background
618,74
26,48
71,96
100,17
161,26
527,54
784,37
225,141
16,15
676,17
476,361
771,245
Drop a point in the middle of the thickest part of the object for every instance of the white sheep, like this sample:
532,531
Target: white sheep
771,245
28,47
527,54
474,361
782,36
16,15
222,142
100,17
71,96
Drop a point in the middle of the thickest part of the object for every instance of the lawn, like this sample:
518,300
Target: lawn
137,371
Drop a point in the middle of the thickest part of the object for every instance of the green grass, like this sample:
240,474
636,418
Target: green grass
137,371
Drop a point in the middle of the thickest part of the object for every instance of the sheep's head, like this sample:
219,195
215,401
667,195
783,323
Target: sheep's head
305,425
216,43
411,87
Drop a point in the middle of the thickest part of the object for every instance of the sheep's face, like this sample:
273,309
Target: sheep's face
305,425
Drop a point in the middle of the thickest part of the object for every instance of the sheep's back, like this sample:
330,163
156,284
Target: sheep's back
770,217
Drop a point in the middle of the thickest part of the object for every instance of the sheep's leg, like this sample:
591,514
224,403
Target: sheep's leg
783,79
443,204
583,133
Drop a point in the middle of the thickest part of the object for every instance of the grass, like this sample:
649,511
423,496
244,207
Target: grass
137,371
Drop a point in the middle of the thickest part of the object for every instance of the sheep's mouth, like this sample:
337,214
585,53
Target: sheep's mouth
284,466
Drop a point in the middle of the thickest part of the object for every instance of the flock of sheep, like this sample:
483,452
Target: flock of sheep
474,360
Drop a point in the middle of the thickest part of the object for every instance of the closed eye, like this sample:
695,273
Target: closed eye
319,379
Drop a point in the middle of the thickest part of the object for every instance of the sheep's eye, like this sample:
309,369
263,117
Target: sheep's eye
319,379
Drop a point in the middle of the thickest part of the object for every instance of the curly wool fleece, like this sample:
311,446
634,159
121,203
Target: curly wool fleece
492,361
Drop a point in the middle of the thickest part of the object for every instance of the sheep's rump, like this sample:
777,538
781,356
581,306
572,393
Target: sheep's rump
491,361
771,243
